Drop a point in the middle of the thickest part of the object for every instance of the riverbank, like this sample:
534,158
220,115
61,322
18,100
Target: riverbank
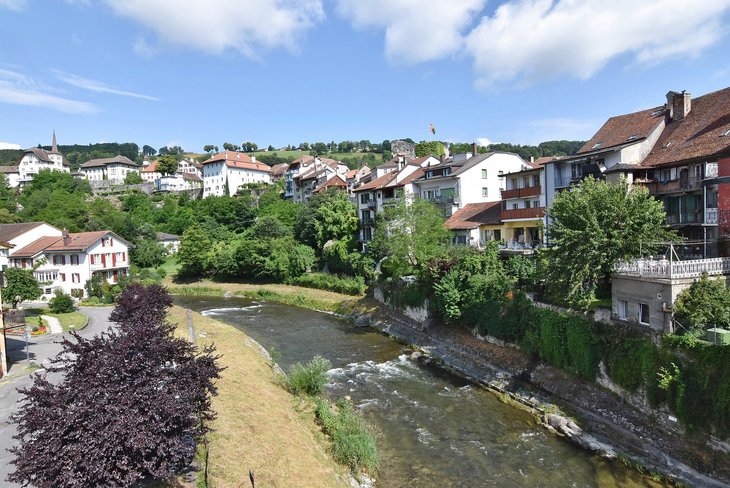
610,427
259,425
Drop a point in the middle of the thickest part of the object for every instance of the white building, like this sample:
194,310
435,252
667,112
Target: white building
12,175
179,182
20,235
231,169
114,170
69,261
149,172
170,242
34,160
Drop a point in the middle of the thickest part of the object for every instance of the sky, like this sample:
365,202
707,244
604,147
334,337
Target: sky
191,73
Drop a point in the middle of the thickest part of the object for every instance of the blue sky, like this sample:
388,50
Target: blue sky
280,72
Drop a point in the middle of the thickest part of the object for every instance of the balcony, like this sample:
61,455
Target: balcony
671,186
530,191
686,218
371,203
523,213
663,269
711,216
562,182
367,221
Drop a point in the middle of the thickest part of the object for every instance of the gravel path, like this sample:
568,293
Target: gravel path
53,323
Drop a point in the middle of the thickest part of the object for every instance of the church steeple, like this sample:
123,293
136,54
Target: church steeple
54,146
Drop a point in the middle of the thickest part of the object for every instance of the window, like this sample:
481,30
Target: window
62,276
497,235
515,206
535,180
485,192
484,174
623,309
643,313
535,203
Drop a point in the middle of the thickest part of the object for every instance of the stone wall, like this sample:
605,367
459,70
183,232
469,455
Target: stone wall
405,148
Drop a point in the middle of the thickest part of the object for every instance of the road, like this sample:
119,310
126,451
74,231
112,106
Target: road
41,349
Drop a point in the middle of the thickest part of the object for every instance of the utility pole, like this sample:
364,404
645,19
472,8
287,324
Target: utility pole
3,346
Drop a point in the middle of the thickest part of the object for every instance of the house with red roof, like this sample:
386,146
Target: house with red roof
225,172
67,262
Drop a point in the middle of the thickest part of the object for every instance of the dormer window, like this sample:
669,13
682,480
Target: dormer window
597,145
447,171
726,133
632,137
657,112
667,144
429,175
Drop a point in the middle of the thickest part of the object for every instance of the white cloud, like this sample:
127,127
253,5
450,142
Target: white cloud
415,30
9,145
214,26
98,86
529,40
483,141
14,5
19,89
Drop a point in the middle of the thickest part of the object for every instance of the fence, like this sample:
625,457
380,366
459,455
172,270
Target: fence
664,269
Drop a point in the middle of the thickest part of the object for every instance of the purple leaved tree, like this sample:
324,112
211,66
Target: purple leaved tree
131,406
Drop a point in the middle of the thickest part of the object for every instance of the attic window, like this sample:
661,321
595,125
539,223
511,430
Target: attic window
726,133
632,137
597,145
667,144
656,112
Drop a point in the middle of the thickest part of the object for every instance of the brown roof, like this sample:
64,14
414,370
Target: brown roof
93,163
39,153
8,232
8,169
279,169
234,159
78,241
698,135
191,176
35,247
351,173
378,183
541,161
624,129
420,172
473,215
151,168
334,182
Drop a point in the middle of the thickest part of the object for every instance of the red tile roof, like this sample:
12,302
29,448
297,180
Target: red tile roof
698,135
474,215
35,247
239,160
334,182
624,129
8,232
378,183
151,168
79,241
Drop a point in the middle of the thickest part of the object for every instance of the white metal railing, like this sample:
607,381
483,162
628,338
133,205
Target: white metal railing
662,268
711,216
711,170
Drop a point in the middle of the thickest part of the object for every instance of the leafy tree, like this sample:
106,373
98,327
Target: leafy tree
706,303
429,148
595,225
6,217
170,151
285,211
148,150
230,147
209,148
133,178
410,233
191,255
20,286
167,165
328,216
148,253
61,302
8,196
130,406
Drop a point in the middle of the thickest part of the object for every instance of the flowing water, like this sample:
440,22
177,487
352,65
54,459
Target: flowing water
436,429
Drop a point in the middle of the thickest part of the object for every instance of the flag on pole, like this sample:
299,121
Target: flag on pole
431,128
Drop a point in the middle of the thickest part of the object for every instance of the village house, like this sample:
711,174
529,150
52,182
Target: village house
67,262
170,242
114,170
523,209
225,172
149,172
278,171
315,170
20,235
34,159
475,224
178,182
356,177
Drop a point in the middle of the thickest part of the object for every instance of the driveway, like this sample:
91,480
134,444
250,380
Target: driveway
41,349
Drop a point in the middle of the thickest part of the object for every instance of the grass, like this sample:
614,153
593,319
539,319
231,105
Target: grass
258,426
170,266
287,294
308,378
71,321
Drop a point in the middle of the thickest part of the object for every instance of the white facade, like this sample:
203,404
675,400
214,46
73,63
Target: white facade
178,182
68,263
12,176
232,170
35,160
114,170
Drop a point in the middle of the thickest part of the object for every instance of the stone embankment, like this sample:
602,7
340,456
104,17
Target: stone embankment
609,426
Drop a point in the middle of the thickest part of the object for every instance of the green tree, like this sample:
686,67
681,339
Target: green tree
194,245
706,303
595,225
133,178
410,233
20,285
429,148
61,302
167,165
209,148
327,216
148,253
148,150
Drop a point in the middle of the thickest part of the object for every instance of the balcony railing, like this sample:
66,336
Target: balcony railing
663,269
371,203
529,191
562,182
686,218
368,221
523,213
711,216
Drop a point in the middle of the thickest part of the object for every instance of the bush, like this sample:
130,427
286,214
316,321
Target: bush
323,281
308,378
61,303
353,441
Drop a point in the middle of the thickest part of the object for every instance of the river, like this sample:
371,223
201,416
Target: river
435,429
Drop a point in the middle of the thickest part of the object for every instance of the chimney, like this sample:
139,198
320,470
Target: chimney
679,105
66,237
253,159
442,157
474,148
